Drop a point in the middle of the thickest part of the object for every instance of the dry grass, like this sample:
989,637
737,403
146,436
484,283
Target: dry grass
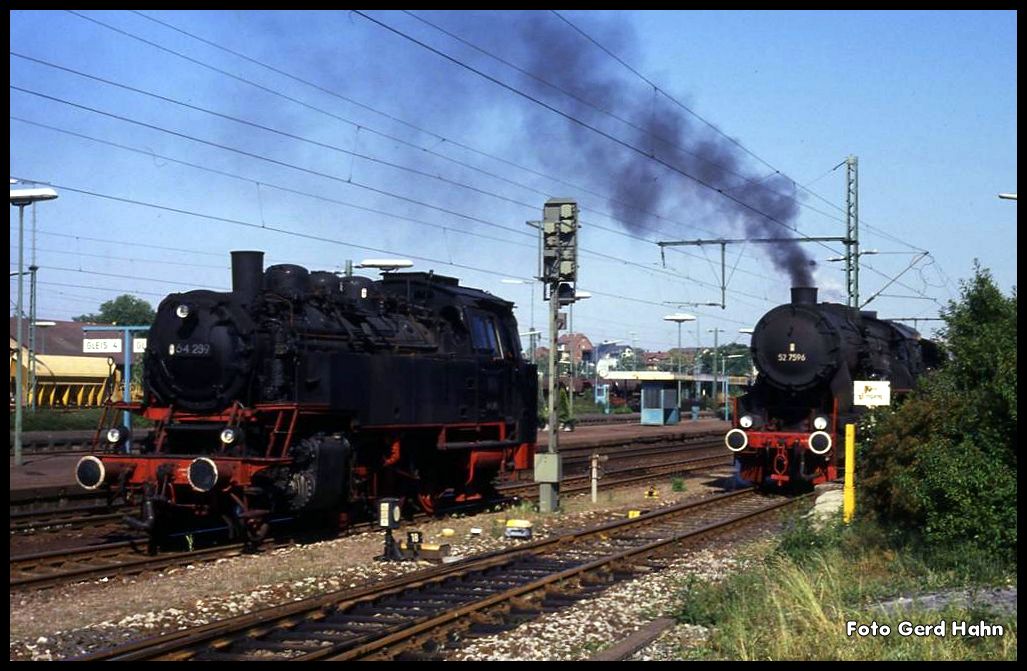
790,610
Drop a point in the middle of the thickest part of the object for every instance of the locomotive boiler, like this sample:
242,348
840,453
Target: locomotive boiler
304,393
808,355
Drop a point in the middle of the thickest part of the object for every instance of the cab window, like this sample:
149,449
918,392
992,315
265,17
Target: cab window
484,335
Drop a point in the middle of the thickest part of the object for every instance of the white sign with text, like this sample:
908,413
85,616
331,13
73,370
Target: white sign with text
871,392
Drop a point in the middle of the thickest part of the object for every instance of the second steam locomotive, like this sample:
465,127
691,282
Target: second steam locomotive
304,393
808,355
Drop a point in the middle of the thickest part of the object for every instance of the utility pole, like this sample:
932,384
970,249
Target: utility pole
20,198
32,316
716,332
852,230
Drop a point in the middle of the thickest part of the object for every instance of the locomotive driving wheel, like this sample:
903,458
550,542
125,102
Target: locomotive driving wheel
251,517
256,530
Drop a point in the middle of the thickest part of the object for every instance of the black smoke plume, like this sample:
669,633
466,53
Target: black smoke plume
763,207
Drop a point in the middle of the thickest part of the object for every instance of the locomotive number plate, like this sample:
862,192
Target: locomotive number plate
791,356
195,349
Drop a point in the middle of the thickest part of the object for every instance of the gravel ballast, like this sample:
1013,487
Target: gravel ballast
75,619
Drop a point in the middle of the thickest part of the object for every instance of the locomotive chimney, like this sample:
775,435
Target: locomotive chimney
247,274
804,295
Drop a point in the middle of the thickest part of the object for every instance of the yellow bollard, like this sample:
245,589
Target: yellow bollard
849,492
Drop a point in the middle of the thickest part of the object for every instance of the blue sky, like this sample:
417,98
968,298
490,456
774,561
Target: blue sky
386,148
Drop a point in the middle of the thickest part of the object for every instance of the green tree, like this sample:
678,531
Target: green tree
125,310
941,468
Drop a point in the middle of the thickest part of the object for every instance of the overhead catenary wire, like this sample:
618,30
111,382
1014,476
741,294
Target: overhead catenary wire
753,181
443,261
348,181
320,238
614,258
275,70
735,141
756,297
279,94
573,119
441,138
625,144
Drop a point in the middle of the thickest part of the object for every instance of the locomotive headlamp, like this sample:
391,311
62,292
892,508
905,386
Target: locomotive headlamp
229,436
820,423
746,421
182,311
116,435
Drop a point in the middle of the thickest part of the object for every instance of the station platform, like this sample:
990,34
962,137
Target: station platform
601,435
43,475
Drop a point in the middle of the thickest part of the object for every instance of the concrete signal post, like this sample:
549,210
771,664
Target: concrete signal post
559,266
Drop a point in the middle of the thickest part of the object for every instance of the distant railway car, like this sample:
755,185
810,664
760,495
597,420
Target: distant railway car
64,381
304,393
788,429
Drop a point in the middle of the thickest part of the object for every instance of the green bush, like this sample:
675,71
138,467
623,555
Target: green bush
60,420
941,469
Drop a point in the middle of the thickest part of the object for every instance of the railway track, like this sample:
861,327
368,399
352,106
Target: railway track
708,458
640,445
53,499
75,509
64,519
417,615
56,567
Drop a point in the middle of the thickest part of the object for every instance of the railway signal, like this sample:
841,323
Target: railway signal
560,248
559,266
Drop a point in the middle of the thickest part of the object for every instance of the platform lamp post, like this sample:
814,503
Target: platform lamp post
749,332
34,354
531,329
595,370
680,318
723,371
578,296
20,198
716,352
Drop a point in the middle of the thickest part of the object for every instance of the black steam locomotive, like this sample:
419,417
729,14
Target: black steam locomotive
305,393
787,428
